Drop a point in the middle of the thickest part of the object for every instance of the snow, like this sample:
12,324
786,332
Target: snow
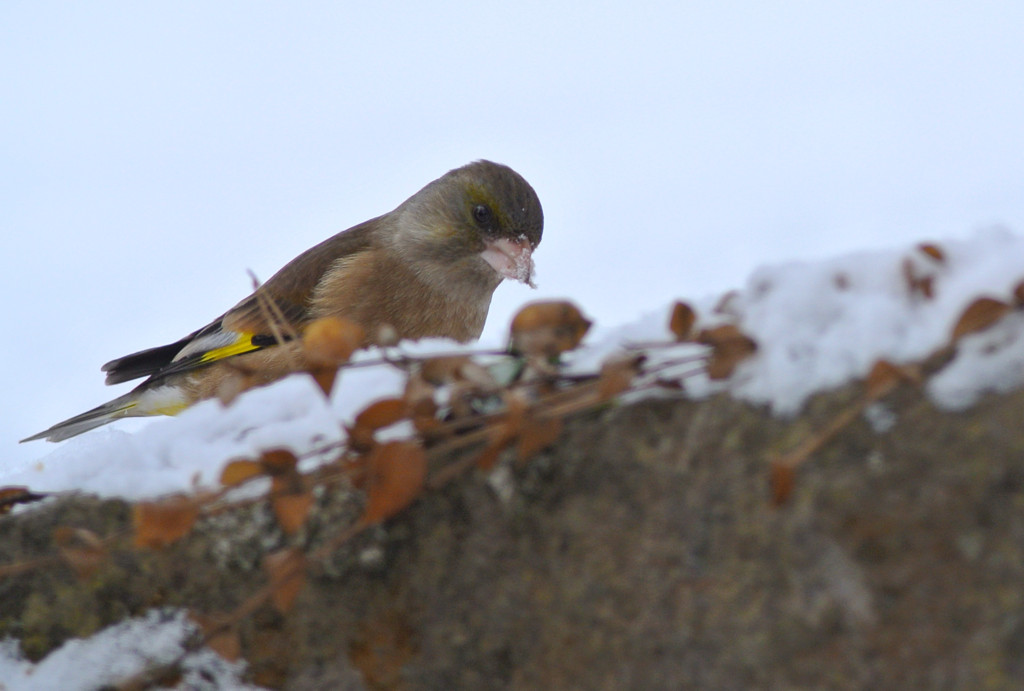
817,325
174,454
821,325
992,360
117,653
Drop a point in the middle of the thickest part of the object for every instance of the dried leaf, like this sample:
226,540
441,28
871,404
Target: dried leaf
919,269
474,373
933,251
278,461
223,640
287,571
517,405
617,374
729,347
783,477
505,430
548,328
237,472
160,523
327,344
1018,295
396,472
444,369
488,458
324,378
883,378
918,283
978,316
291,510
537,435
418,389
452,369
82,549
419,401
330,341
375,416
227,644
682,320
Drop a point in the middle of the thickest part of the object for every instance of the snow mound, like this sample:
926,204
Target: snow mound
817,326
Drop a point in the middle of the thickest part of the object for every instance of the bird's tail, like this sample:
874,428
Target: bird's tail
139,402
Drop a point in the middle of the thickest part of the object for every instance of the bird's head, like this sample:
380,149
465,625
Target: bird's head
480,222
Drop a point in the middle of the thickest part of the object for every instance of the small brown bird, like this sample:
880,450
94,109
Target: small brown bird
428,268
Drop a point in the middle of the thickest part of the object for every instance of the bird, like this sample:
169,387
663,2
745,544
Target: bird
426,269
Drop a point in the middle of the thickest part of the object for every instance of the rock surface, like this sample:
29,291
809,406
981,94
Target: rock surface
642,551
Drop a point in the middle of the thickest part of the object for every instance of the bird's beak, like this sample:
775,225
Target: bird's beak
511,259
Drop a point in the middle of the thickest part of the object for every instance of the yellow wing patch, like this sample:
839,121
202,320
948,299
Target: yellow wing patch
172,409
242,345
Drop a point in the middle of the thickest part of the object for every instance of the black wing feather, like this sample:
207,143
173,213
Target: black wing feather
144,362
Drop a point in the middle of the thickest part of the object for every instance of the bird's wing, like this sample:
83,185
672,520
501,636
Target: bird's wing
291,288
247,326
209,344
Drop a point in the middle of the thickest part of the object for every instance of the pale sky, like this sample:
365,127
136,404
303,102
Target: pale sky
152,153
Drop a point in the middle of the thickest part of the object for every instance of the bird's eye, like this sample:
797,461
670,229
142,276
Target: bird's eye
482,214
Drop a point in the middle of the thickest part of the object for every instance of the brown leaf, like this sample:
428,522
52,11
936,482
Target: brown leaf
537,435
287,571
330,341
933,251
327,344
456,369
548,328
783,477
396,473
278,461
160,523
1018,295
505,430
419,400
81,549
682,320
919,270
443,369
324,378
918,283
978,316
223,640
488,458
237,472
517,405
729,347
617,374
227,644
883,378
375,416
291,510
